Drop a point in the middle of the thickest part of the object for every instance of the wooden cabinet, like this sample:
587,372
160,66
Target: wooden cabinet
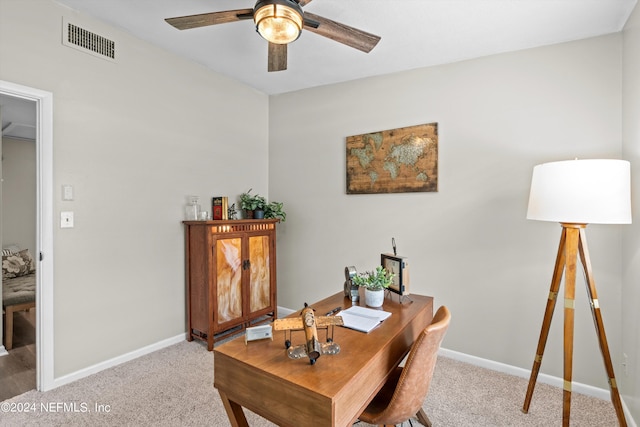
230,276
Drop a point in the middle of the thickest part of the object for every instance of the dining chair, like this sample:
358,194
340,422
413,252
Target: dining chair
402,396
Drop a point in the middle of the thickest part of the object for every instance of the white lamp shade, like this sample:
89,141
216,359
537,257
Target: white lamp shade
581,192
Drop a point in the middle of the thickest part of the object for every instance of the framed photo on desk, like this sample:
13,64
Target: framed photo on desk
399,266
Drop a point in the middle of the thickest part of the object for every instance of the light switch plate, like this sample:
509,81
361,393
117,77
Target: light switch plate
67,192
66,219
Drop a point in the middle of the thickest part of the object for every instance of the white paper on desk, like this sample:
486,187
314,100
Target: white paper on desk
362,319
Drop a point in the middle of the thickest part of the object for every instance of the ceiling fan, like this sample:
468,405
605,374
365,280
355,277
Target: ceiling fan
280,22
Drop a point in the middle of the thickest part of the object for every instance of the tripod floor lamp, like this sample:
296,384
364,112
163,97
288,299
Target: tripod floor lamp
576,193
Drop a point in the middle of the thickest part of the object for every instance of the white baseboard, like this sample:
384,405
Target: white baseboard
74,376
3,351
600,393
284,311
585,389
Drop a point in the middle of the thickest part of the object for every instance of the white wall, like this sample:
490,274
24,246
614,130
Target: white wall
469,244
134,138
631,237
19,193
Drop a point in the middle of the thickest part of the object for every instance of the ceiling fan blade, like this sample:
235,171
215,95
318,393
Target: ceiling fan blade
277,57
205,19
341,33
303,2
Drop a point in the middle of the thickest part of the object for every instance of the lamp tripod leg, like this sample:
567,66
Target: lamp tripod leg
599,325
571,249
546,323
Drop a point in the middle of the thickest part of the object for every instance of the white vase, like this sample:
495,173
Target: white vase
374,298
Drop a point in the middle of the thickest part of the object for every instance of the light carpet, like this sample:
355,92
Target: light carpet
174,387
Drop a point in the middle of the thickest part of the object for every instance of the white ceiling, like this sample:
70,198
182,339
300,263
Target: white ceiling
415,33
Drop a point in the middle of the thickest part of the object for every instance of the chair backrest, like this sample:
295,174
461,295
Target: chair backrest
413,384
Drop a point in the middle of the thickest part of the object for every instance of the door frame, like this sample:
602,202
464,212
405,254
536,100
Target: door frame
44,228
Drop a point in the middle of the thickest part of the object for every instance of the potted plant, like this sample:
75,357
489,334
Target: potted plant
259,203
374,283
251,203
246,203
274,210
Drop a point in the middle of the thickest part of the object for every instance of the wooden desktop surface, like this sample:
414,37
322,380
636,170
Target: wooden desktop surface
333,392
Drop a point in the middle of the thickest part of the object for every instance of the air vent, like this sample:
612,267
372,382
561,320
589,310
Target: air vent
87,41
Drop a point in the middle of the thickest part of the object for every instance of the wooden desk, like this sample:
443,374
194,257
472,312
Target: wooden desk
333,392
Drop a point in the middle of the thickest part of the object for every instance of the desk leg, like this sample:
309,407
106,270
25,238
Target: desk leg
234,411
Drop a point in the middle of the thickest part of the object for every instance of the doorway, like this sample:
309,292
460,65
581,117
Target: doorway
44,227
18,235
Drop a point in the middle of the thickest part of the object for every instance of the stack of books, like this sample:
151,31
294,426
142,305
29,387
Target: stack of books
220,207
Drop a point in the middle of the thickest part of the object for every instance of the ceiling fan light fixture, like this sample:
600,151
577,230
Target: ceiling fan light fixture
278,21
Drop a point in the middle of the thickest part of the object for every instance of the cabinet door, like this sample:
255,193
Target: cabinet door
260,258
228,277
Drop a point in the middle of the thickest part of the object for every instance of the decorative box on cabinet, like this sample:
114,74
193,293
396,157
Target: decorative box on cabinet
230,276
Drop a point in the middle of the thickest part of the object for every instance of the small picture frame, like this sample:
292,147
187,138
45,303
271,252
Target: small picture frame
399,266
258,333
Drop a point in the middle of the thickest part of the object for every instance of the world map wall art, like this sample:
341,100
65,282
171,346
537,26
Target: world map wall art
399,160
